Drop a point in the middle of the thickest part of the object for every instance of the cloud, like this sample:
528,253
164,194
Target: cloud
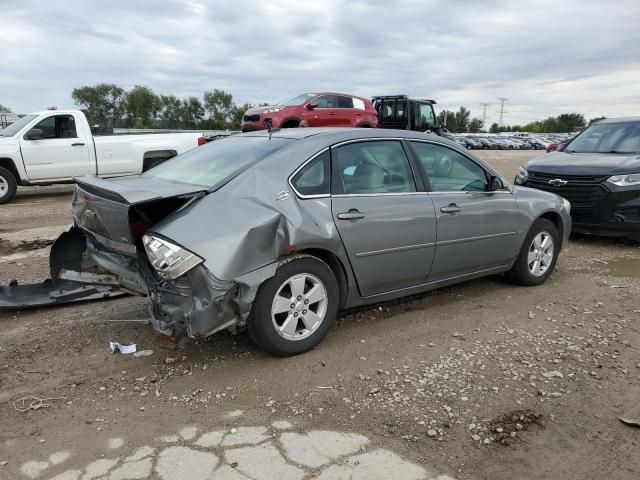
546,57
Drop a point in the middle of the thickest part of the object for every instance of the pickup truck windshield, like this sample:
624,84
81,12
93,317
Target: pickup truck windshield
16,126
215,162
623,137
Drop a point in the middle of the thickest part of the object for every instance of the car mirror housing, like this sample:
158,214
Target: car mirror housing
495,183
311,105
34,134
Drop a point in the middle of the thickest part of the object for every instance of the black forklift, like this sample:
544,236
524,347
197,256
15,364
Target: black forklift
404,113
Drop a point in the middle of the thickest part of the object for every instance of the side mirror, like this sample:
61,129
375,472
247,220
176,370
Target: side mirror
311,105
495,183
34,134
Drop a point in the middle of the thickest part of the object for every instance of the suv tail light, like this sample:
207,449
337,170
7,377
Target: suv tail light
202,141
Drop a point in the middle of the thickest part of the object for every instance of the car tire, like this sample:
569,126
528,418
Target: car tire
8,186
287,324
536,261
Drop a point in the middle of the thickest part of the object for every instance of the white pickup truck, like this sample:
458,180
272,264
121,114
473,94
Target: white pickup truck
53,146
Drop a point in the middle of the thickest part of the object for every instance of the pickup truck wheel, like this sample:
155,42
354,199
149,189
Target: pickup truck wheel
294,310
8,186
538,254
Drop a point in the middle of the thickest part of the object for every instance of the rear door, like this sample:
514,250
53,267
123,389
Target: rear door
386,222
346,114
62,152
477,228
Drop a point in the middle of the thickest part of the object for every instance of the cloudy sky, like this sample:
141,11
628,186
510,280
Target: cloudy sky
547,57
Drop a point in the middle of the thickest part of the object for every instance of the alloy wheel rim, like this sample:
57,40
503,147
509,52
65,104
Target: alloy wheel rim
299,307
4,187
540,255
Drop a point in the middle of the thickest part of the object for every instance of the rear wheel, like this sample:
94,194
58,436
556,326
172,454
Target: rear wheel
291,124
294,310
538,254
8,186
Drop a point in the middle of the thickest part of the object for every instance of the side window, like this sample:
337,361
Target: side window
58,126
315,177
357,103
326,101
372,167
345,102
426,115
450,171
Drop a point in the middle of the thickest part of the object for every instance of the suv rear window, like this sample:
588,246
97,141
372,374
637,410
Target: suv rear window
216,162
345,102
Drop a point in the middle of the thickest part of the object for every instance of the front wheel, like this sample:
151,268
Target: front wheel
8,186
538,255
294,310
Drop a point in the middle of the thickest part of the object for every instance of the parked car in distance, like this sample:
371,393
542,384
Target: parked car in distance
324,109
53,146
301,223
598,171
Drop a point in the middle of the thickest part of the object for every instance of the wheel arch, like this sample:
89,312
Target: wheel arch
290,120
8,164
555,218
336,266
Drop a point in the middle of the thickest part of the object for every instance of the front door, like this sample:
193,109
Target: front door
387,226
324,115
477,228
60,153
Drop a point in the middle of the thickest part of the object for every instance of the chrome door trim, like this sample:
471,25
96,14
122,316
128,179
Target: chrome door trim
472,239
395,249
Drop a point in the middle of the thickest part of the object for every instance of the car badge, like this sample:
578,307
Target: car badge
284,195
557,182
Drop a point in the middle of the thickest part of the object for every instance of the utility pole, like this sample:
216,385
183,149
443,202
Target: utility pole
484,115
502,100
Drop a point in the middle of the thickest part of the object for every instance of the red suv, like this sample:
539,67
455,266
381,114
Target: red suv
312,110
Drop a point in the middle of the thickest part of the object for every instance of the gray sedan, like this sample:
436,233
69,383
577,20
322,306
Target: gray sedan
275,232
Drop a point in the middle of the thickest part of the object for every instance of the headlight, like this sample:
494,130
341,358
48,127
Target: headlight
625,180
168,259
272,110
522,176
567,205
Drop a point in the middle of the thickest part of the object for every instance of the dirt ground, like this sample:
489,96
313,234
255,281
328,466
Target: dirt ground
480,380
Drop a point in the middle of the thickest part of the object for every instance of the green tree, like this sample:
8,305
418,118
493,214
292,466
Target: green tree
219,108
462,119
170,112
495,128
102,103
475,125
593,120
569,122
191,113
142,106
5,109
237,114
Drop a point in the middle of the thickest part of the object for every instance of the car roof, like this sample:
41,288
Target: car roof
620,120
342,134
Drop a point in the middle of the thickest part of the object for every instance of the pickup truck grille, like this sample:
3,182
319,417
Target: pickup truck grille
252,118
583,191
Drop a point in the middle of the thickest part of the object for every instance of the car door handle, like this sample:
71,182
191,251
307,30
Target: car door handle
351,215
451,208
77,144
332,114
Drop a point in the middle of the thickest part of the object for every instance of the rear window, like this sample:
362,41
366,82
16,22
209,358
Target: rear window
214,163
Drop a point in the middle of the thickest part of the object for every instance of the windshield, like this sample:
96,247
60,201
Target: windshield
623,137
299,100
16,126
214,163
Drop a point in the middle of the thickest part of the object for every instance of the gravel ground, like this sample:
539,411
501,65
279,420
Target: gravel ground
479,380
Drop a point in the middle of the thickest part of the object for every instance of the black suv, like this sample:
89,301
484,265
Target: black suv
598,171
